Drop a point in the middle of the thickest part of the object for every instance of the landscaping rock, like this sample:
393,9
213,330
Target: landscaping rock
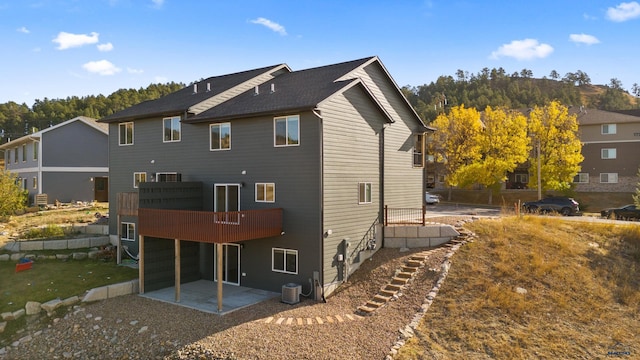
70,301
79,256
17,256
51,305
4,257
18,314
62,256
7,316
3,325
32,308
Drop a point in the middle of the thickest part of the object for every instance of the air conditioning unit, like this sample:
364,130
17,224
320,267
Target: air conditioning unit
291,293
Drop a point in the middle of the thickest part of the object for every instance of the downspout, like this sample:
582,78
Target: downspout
382,184
320,279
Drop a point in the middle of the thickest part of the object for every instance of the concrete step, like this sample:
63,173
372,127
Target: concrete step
409,269
399,281
386,292
394,287
365,309
404,275
381,298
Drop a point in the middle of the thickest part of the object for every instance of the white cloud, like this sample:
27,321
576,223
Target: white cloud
157,3
523,50
105,47
134,71
67,40
23,30
271,25
624,12
101,67
584,39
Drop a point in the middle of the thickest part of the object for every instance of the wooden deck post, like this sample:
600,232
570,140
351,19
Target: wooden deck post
177,269
219,270
141,264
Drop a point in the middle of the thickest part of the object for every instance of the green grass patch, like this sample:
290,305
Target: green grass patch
51,279
582,293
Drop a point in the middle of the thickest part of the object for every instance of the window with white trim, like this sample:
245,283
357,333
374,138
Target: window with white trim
125,133
608,178
15,155
364,193
139,177
581,178
286,131
220,136
24,152
608,153
35,151
521,178
265,192
284,260
168,177
128,231
418,150
608,129
171,129
35,182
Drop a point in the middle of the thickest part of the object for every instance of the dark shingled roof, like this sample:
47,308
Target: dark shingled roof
298,90
180,101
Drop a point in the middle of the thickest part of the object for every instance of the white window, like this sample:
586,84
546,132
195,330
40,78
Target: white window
128,231
220,136
35,182
125,133
364,193
418,151
581,178
265,192
171,129
610,178
284,260
139,177
286,131
608,153
168,177
24,152
608,129
35,151
15,155
521,178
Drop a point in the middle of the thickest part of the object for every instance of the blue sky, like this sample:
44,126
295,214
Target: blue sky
58,48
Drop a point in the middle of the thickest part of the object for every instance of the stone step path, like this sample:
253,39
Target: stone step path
404,275
317,320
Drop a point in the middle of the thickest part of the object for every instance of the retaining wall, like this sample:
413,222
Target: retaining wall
415,236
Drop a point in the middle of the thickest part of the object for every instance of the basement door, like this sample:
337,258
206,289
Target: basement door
230,264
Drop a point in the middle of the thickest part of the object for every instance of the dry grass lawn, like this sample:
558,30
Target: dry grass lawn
582,297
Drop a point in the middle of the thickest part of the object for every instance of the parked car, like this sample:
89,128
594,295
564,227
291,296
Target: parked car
560,204
431,199
627,212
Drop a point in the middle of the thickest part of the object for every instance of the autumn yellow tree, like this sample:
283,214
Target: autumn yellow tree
557,147
12,197
503,145
455,144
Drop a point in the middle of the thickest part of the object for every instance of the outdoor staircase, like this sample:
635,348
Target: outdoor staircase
405,274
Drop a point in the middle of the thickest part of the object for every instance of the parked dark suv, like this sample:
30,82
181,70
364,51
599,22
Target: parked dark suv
560,204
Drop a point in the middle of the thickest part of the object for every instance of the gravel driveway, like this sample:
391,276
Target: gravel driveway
133,327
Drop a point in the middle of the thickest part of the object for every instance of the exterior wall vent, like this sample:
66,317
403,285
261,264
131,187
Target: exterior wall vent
273,88
208,87
291,293
195,88
256,90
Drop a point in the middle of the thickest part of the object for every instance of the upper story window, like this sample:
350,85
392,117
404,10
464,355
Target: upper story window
24,152
15,155
265,192
418,151
35,151
608,153
139,177
581,178
608,129
286,131
364,193
220,138
125,133
171,128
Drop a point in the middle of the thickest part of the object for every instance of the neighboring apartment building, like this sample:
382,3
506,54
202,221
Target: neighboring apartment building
611,150
264,177
67,162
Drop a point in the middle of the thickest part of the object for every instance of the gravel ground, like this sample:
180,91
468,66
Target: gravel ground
133,327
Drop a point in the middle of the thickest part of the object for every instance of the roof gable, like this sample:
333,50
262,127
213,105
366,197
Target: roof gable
38,134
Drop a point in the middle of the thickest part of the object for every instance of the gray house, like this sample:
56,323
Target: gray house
264,177
66,162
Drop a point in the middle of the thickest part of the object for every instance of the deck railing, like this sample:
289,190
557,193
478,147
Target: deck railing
404,215
209,226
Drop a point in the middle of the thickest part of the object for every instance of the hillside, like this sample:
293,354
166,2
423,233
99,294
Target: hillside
537,287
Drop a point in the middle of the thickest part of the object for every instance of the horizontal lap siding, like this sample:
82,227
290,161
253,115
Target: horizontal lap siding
351,127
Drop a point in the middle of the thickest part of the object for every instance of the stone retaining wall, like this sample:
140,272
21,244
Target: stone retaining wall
78,243
415,236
